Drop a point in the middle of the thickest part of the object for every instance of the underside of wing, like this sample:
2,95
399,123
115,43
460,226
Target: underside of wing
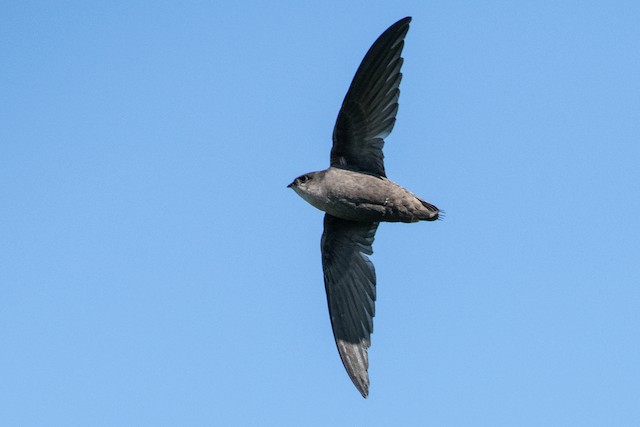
368,112
350,283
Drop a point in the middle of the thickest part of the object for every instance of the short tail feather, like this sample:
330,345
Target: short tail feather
433,212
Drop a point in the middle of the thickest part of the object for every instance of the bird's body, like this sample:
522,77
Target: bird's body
356,196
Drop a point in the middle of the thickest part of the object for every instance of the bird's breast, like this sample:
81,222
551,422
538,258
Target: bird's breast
362,197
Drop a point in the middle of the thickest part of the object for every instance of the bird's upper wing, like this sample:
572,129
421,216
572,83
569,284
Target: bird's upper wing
369,109
350,282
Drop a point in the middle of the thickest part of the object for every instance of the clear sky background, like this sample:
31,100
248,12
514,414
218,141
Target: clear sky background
155,269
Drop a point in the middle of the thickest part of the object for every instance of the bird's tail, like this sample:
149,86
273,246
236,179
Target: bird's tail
430,213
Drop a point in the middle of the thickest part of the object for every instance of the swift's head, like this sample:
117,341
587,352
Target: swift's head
302,181
309,185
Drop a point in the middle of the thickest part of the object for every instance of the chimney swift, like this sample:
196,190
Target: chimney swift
356,196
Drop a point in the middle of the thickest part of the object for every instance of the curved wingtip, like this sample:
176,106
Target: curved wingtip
401,22
399,28
356,362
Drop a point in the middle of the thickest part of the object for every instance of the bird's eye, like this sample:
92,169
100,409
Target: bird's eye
304,178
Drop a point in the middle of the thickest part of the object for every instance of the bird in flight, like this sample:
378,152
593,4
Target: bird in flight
356,196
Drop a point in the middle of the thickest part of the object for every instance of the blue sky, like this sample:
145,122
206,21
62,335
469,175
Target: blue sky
155,269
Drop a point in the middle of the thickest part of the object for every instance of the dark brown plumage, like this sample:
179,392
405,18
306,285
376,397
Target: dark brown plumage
356,196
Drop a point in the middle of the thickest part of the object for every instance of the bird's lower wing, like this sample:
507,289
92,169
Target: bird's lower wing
350,282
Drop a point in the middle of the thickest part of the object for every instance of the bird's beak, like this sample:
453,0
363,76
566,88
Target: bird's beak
291,185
